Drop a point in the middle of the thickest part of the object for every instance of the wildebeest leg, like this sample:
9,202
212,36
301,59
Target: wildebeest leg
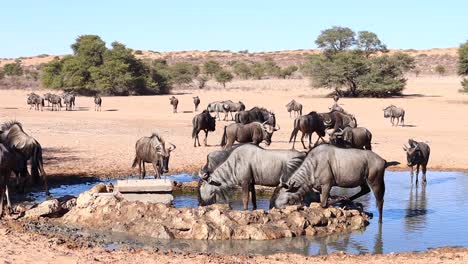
364,190
245,195
378,188
310,139
324,195
195,140
143,174
2,197
232,117
254,196
302,140
206,138
139,168
7,193
424,167
156,169
398,121
412,174
417,172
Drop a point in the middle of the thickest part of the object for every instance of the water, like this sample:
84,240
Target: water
415,218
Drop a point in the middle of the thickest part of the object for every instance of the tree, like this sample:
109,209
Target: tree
2,74
288,71
440,70
463,65
223,77
271,68
89,49
242,70
52,74
211,67
202,79
184,72
13,69
369,43
258,70
336,39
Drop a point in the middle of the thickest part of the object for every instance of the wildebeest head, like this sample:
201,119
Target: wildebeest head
208,189
413,152
388,111
268,132
285,194
164,155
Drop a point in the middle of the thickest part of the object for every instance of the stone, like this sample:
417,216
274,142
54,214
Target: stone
46,208
148,197
146,186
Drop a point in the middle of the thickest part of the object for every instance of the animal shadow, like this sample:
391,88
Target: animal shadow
187,112
111,110
405,125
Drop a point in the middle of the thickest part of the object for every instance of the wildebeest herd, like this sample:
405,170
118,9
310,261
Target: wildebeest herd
345,160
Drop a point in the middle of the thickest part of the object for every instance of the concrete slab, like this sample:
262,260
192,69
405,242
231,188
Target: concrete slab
144,186
148,197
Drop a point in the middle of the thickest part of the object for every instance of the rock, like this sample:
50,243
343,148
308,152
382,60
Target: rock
46,208
148,197
98,188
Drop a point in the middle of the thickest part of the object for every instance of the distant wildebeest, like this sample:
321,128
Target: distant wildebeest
253,132
295,107
358,137
246,166
36,101
326,166
395,112
56,102
232,107
218,107
256,114
203,121
196,102
336,107
417,153
47,98
152,150
308,124
97,103
14,138
174,102
69,101
336,97
336,120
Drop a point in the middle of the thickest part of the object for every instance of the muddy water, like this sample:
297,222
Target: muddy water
415,218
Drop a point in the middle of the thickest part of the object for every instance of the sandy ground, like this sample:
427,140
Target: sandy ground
84,142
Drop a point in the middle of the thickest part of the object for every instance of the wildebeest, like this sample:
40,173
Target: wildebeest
152,150
395,112
36,101
232,107
336,107
253,132
295,107
358,137
7,164
203,121
308,124
174,102
336,97
326,166
336,120
69,101
218,107
56,102
14,138
417,153
246,166
196,102
97,103
47,97
256,114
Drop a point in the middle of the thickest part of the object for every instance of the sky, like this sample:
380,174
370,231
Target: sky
29,28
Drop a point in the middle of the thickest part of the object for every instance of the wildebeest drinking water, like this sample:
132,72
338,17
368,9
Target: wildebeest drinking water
14,138
295,107
253,132
196,102
395,112
326,166
417,153
97,103
358,137
174,102
152,150
308,124
246,166
203,121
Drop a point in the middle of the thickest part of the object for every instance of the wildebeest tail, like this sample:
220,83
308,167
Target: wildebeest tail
403,117
295,130
37,168
223,139
195,127
237,118
135,161
391,163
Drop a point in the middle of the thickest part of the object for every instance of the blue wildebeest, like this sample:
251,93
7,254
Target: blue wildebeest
358,137
97,103
232,107
152,150
336,120
295,107
326,166
174,102
253,132
218,107
196,102
56,102
417,153
69,101
256,114
246,166
395,112
36,101
308,124
203,121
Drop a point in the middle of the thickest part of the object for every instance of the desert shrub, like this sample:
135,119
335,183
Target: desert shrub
439,69
183,72
244,51
202,79
288,71
223,76
13,69
138,52
242,70
43,55
257,70
211,67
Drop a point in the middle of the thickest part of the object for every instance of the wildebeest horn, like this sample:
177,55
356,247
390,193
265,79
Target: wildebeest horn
172,147
405,148
276,129
327,122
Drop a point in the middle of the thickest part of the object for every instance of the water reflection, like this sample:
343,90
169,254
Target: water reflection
416,212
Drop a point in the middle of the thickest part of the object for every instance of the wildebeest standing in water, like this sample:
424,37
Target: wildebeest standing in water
308,124
359,137
395,112
256,114
97,103
196,102
174,102
14,138
152,150
417,153
295,107
326,166
253,132
203,121
246,166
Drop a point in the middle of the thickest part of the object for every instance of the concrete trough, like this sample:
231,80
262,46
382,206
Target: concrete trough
147,191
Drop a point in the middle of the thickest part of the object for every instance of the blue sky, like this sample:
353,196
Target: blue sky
34,27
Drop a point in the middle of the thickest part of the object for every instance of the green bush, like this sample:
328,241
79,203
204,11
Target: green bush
464,84
202,79
223,76
13,69
183,72
463,65
242,70
138,52
211,67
